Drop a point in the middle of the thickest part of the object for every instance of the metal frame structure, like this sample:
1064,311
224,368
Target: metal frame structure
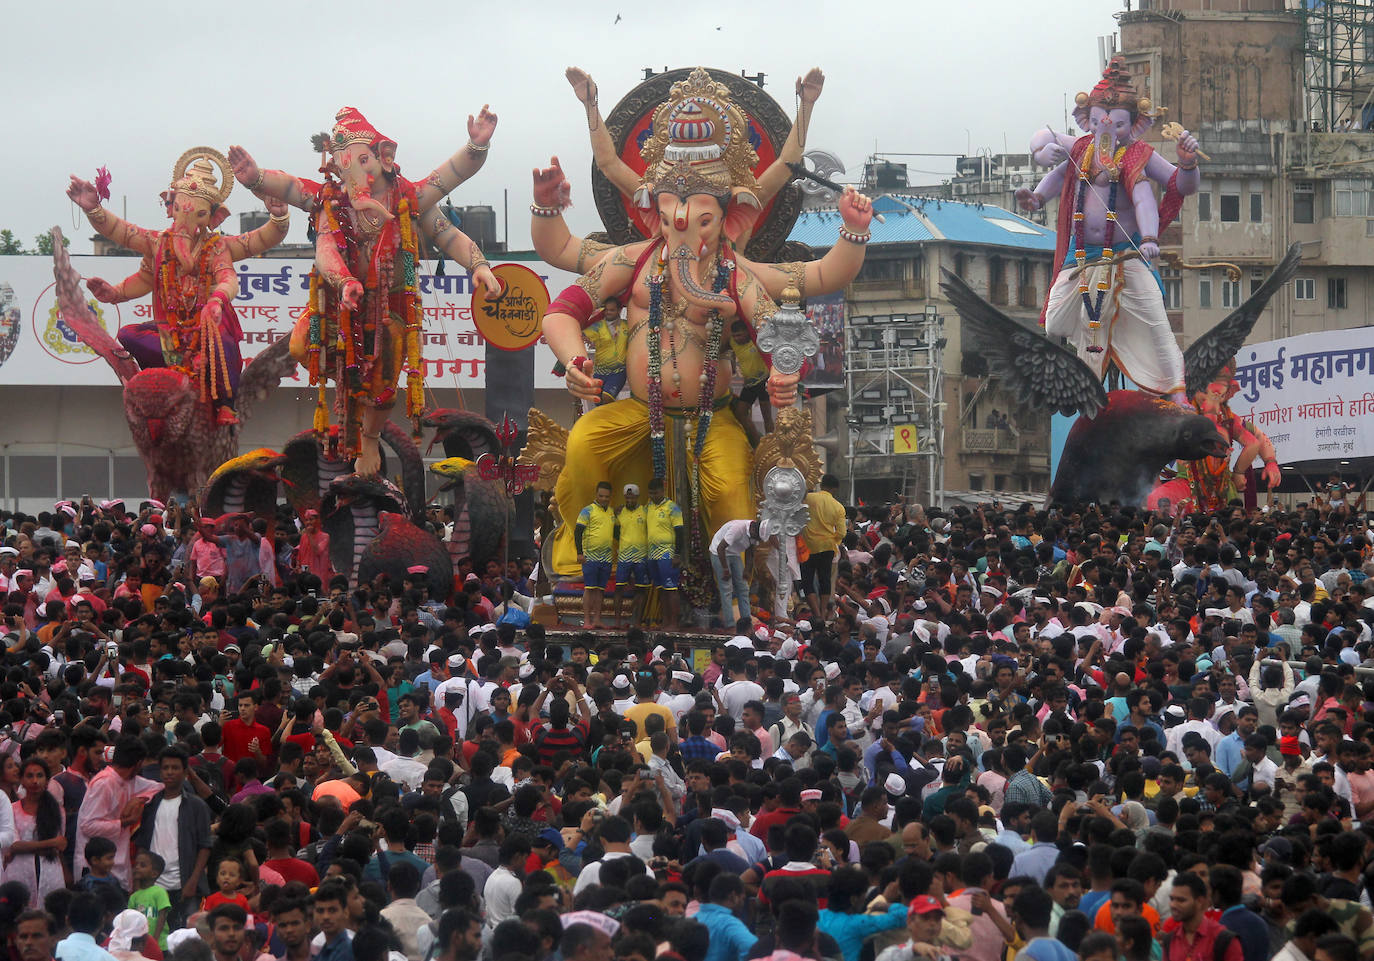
1338,50
894,374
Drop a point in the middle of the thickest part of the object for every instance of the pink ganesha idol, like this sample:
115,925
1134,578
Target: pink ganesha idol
1106,299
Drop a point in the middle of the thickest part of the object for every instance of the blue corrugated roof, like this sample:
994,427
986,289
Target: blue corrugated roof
915,219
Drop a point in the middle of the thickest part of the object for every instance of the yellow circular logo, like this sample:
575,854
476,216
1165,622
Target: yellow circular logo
512,320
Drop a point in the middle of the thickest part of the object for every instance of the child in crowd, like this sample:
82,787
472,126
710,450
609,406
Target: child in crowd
100,859
228,879
150,899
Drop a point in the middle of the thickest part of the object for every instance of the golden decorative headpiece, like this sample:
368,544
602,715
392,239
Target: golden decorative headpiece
194,174
1114,91
698,143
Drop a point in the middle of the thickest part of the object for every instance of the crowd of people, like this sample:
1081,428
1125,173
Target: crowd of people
982,735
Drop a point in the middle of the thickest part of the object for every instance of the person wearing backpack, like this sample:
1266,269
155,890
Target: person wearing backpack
1197,937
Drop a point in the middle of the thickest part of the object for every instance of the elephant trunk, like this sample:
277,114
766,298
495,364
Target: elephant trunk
686,285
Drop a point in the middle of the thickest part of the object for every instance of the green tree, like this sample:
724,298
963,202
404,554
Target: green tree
9,243
42,244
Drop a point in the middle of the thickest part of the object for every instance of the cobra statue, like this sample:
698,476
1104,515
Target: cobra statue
482,510
246,484
400,546
351,514
311,465
177,434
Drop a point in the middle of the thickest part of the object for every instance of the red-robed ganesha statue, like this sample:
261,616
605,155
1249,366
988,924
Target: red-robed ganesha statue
362,328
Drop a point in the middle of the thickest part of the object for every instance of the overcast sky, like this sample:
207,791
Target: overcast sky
130,85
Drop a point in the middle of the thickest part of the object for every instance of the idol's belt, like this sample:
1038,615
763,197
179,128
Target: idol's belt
682,413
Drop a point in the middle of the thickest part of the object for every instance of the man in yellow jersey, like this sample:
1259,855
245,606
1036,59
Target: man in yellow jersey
609,338
631,574
664,558
595,535
822,534
750,364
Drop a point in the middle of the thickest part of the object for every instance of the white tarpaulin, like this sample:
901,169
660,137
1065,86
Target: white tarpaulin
36,348
1313,394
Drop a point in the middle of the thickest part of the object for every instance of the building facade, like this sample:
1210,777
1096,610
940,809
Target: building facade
907,366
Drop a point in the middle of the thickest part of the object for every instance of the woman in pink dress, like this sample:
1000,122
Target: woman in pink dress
40,826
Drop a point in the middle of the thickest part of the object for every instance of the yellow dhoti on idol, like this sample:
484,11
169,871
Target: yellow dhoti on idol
611,443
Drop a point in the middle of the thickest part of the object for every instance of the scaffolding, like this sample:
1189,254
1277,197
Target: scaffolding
894,388
1338,41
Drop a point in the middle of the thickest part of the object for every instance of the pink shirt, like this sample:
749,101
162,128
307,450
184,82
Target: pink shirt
208,558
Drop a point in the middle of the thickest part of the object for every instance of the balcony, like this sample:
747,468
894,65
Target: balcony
990,441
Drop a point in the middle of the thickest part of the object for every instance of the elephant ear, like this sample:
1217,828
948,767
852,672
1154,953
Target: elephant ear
218,216
386,153
1080,117
741,213
1143,123
643,211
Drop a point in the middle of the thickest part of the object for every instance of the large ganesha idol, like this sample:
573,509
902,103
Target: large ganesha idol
189,270
1106,298
1107,303
362,328
681,287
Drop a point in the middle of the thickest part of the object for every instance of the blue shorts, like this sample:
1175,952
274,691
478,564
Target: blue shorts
631,574
612,382
596,575
662,574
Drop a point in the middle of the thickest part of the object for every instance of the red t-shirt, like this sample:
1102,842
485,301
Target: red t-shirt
234,744
294,869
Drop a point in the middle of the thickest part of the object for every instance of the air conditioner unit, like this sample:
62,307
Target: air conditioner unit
1017,180
960,190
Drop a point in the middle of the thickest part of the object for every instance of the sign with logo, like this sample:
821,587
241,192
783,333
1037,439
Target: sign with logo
512,319
38,348
905,439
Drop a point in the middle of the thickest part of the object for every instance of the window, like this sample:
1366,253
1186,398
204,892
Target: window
1204,205
1304,202
975,482
1256,208
997,281
880,270
1230,208
961,265
1304,288
1335,293
1230,294
1256,281
1351,197
1173,288
1204,289
999,482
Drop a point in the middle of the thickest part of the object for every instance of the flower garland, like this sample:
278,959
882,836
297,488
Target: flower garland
694,587
354,346
1080,252
190,343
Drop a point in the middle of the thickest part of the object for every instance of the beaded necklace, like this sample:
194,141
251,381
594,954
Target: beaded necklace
706,400
1080,251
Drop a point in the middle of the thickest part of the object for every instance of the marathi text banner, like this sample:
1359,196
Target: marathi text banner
1312,394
